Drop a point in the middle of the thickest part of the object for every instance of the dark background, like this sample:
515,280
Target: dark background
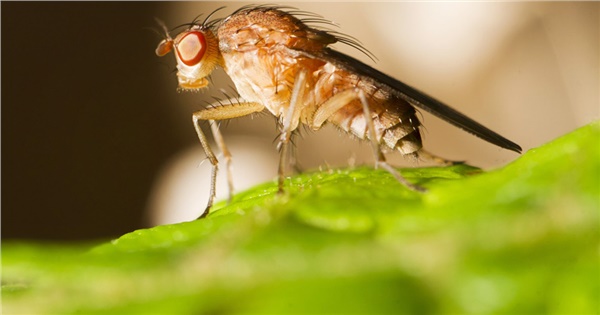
82,134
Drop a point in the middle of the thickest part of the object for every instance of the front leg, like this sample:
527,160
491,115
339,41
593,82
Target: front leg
221,112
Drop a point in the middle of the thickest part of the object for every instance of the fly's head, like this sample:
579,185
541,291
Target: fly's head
197,52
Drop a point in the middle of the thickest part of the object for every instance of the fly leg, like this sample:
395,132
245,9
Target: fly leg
340,100
428,156
214,127
294,164
284,141
379,157
289,123
212,114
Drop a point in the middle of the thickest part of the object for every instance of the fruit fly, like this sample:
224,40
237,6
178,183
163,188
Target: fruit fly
281,64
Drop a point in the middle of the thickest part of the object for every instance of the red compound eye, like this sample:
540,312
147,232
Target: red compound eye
191,48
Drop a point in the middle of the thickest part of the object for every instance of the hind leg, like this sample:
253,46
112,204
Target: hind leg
379,157
427,156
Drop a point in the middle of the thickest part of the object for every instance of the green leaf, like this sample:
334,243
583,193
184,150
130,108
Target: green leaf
520,239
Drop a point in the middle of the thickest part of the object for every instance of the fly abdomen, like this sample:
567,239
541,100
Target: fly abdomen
397,130
402,132
403,136
394,120
405,144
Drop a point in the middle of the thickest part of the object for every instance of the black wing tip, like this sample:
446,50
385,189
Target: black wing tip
494,138
513,147
485,134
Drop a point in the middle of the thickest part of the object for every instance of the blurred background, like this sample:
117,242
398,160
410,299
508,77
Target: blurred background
97,142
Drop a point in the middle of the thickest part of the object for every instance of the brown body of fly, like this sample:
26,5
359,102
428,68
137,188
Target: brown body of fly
280,64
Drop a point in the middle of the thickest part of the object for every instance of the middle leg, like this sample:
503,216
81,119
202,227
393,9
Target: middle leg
289,122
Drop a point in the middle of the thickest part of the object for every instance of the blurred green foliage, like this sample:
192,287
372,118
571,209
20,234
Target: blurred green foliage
521,239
